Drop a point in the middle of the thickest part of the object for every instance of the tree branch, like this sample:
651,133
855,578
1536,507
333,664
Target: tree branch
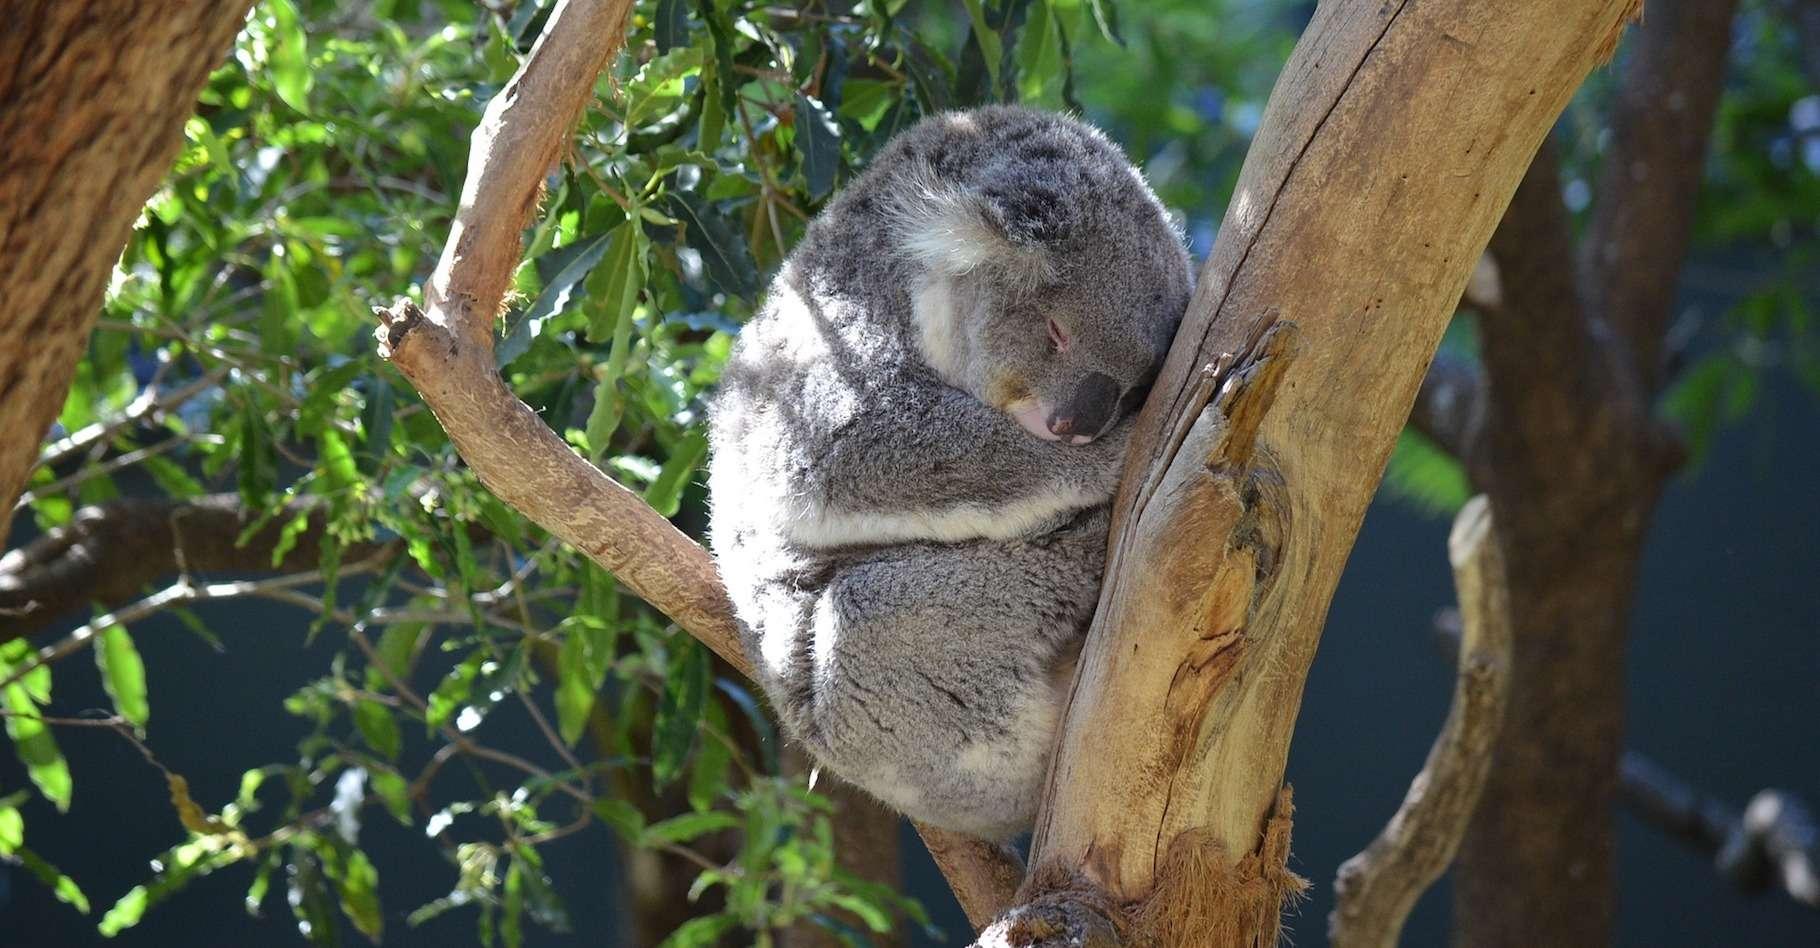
109,553
1389,150
1447,404
447,354
1662,119
1775,842
1376,889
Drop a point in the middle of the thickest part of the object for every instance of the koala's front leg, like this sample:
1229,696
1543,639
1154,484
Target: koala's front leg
928,675
930,462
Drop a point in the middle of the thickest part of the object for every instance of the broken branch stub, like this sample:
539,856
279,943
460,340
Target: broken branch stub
1377,888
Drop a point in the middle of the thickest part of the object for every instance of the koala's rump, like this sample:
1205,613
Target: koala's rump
927,673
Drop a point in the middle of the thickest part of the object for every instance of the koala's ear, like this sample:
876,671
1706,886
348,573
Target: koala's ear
955,231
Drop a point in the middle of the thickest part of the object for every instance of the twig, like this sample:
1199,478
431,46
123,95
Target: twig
1774,843
1376,888
148,405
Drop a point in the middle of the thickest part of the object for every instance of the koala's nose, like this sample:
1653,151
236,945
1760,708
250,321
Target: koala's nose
1086,414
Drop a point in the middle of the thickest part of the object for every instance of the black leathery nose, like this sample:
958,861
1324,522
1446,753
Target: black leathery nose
1092,407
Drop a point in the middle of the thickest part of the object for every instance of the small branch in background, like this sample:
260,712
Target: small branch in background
1376,889
1445,405
109,553
147,407
1774,843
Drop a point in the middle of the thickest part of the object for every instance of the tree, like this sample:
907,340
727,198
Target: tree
691,173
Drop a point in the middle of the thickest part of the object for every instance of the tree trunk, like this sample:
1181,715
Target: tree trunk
1395,137
1566,447
93,97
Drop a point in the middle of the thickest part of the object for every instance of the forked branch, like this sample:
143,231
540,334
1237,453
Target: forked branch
446,352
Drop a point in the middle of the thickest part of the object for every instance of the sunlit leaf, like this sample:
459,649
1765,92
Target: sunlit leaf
123,674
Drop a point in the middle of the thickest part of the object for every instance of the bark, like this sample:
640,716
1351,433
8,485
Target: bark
447,355
95,95
1376,889
1392,143
1572,459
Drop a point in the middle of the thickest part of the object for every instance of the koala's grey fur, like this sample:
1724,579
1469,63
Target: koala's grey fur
910,473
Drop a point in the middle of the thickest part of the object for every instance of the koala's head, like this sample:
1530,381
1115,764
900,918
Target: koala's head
1052,279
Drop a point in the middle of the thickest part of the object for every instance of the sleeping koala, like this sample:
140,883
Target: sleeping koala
914,445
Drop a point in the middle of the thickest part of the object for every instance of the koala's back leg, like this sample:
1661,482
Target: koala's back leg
928,674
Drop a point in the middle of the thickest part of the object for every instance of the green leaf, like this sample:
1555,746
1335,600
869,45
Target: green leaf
1426,477
613,286
625,818
987,39
724,253
357,886
720,33
126,912
63,887
36,747
12,830
377,727
123,674
665,493
289,60
704,932
336,462
679,712
681,829
578,261
575,688
818,139
708,775
394,791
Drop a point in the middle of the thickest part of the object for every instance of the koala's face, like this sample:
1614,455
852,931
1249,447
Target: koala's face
1069,358
1052,280
1065,336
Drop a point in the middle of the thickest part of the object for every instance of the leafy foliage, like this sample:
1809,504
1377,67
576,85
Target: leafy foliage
319,176
321,170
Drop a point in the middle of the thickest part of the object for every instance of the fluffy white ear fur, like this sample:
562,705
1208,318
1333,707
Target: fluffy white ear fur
950,231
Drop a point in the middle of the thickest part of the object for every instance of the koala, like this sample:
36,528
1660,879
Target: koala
915,443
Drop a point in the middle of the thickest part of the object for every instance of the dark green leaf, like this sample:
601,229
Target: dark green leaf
670,26
723,251
377,727
818,139
679,712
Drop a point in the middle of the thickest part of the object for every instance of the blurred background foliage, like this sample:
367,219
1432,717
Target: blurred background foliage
323,164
